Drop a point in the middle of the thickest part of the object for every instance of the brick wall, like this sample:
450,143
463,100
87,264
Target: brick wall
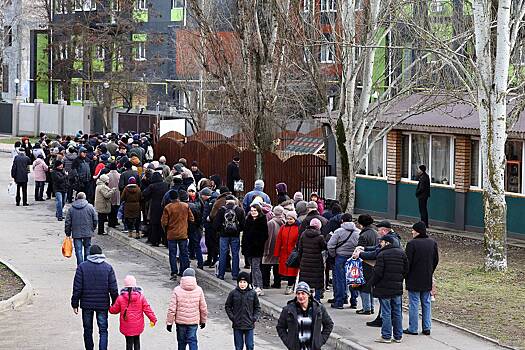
393,156
462,163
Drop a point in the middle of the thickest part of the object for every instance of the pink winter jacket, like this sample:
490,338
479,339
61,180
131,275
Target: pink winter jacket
39,169
133,323
187,304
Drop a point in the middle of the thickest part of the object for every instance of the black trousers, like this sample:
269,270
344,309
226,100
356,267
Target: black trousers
23,186
50,191
265,269
133,223
112,218
423,212
155,233
212,244
39,190
133,343
102,218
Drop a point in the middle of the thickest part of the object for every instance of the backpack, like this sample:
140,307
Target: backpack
231,223
354,272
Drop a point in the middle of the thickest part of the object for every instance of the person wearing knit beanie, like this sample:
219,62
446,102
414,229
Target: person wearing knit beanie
130,281
300,208
189,272
291,214
315,223
297,197
311,206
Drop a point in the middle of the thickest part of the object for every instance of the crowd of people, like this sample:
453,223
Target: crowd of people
114,179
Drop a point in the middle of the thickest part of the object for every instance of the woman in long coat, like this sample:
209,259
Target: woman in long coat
310,248
254,237
269,261
284,245
155,193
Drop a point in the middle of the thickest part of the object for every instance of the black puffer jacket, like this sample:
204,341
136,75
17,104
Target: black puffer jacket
389,271
367,238
154,193
314,214
59,179
311,244
242,308
254,236
423,258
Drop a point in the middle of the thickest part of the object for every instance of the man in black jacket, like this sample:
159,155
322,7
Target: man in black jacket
59,180
423,258
389,271
423,193
233,173
304,322
19,172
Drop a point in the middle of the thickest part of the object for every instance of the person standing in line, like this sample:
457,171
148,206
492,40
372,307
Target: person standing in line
93,286
233,173
131,197
389,272
155,193
243,309
423,192
304,323
81,222
254,238
208,197
258,191
131,304
310,247
114,177
188,310
423,258
59,180
269,261
19,173
285,244
103,196
368,237
40,169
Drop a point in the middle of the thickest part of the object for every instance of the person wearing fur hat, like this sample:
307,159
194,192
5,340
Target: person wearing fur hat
131,304
243,309
423,258
304,322
282,192
310,247
103,196
269,261
284,245
187,310
131,197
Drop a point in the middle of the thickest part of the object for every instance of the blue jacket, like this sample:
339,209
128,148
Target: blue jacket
257,191
371,253
81,219
94,283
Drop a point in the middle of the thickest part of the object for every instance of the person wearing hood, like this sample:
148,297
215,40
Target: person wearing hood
310,247
243,309
94,284
269,261
195,228
131,197
301,210
40,169
154,194
187,310
333,210
368,237
131,304
37,151
59,180
114,178
282,192
258,190
312,213
103,196
69,158
284,245
341,246
81,222
304,323
423,258
19,171
254,237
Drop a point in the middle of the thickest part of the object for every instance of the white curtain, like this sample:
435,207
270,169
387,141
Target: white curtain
420,145
440,168
375,157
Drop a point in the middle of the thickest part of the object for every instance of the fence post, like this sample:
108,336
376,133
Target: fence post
61,111
16,116
88,114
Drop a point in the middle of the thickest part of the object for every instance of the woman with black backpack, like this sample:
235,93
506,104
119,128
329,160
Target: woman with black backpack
253,240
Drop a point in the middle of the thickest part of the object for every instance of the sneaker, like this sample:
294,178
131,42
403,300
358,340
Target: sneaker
289,290
397,340
60,219
426,331
333,306
353,307
383,340
406,331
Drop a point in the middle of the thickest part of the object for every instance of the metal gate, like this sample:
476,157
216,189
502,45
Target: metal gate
6,118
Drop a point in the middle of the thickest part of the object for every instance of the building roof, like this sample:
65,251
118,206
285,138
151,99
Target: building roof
305,144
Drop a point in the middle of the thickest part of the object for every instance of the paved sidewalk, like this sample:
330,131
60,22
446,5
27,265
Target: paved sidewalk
350,329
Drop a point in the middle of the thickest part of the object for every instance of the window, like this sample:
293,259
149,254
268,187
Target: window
79,93
61,7
441,156
5,78
436,6
513,170
79,52
62,53
419,153
405,158
60,92
141,5
182,98
328,6
177,4
306,5
358,5
521,56
115,5
475,161
8,36
140,51
374,164
100,53
85,5
328,49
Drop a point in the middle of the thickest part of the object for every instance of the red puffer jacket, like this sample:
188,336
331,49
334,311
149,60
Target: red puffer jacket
132,309
285,243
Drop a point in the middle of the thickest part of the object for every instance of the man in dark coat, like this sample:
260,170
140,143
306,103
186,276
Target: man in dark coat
423,193
60,188
304,322
423,258
19,171
93,286
389,272
311,207
124,177
155,193
212,244
233,173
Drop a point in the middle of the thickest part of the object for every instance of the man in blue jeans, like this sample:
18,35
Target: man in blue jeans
228,223
389,271
59,185
423,258
94,284
81,222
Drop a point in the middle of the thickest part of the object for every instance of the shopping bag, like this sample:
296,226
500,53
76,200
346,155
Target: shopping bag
293,259
11,189
354,272
238,186
204,249
67,247
120,213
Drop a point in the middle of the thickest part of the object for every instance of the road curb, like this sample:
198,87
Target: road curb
21,298
336,340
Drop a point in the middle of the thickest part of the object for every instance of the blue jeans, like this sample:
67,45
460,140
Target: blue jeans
80,243
183,255
195,238
414,299
226,243
340,287
60,201
186,334
241,337
367,301
392,316
102,322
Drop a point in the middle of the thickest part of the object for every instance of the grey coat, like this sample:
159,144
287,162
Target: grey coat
81,219
335,244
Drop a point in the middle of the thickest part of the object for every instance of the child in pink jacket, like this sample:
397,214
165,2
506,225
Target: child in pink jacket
132,305
187,310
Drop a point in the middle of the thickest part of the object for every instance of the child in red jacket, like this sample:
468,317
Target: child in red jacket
132,305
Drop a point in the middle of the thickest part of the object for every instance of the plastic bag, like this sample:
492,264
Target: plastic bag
354,272
67,247
204,249
11,189
238,186
120,213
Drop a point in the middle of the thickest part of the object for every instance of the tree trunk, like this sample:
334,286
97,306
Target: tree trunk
259,164
344,165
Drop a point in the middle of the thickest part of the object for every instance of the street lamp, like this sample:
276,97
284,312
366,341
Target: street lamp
107,104
17,81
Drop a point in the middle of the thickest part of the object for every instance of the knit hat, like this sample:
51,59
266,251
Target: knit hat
173,195
300,208
189,272
281,187
420,227
183,196
243,276
423,168
303,287
388,238
298,196
162,160
82,149
130,282
291,214
104,178
206,191
223,189
315,223
132,180
311,206
278,211
192,188
95,249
